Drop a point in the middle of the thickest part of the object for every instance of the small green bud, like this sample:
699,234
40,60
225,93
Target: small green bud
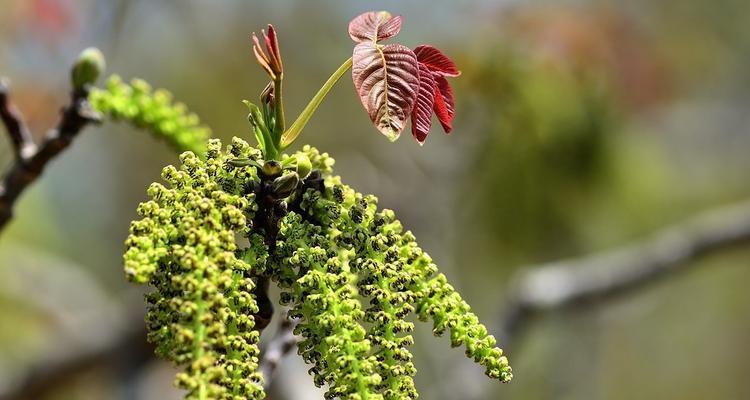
304,166
272,168
283,186
88,67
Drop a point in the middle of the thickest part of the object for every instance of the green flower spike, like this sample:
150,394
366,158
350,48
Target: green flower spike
201,313
152,110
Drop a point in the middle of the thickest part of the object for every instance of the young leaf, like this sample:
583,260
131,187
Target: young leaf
421,116
270,58
445,105
434,67
387,80
374,26
436,61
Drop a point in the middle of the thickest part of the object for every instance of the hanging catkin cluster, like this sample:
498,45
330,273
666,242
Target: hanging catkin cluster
348,271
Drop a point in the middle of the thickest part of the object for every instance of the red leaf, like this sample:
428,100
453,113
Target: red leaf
387,80
436,61
421,116
374,26
272,44
270,58
445,105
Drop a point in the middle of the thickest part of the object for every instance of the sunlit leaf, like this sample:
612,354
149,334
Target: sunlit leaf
374,26
387,81
445,105
435,93
421,116
436,61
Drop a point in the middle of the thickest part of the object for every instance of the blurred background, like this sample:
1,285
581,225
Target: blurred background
581,126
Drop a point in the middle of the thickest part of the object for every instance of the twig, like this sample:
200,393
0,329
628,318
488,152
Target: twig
595,278
23,143
283,341
28,167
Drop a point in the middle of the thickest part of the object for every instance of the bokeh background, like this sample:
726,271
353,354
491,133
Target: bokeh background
581,126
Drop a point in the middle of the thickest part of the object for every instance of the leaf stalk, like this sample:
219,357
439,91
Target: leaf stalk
296,128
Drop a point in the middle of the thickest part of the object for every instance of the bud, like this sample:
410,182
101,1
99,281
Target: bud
283,186
304,166
267,95
88,67
271,168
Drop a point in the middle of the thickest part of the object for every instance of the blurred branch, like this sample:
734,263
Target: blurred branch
23,144
283,341
595,278
28,167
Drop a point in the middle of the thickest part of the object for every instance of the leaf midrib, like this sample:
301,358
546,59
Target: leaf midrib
385,86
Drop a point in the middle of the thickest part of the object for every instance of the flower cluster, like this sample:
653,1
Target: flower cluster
341,252
201,311
348,271
152,110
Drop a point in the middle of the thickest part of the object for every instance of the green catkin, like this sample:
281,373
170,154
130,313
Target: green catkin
383,279
152,110
201,309
324,297
440,302
347,270
398,278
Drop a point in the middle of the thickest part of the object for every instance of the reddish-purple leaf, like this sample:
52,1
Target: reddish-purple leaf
445,105
436,61
374,26
272,44
387,80
421,116
270,58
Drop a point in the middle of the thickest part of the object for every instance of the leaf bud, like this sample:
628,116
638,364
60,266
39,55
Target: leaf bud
272,169
283,186
304,166
88,67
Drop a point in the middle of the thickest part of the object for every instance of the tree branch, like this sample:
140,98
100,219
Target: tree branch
598,277
23,143
283,341
28,167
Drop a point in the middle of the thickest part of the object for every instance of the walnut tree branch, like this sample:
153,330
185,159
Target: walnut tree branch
283,341
29,167
592,279
20,136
